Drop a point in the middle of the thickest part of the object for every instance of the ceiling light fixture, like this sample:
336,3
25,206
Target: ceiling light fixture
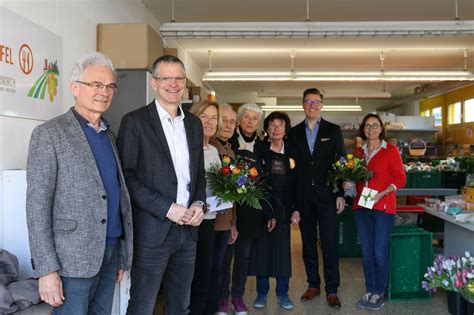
327,95
400,76
315,29
299,108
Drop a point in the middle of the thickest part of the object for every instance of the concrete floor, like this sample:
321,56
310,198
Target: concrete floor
351,289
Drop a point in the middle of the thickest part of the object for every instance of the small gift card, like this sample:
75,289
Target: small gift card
214,204
365,199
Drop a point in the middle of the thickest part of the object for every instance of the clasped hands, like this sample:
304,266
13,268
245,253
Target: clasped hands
186,216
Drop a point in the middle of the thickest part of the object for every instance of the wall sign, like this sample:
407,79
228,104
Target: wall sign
30,62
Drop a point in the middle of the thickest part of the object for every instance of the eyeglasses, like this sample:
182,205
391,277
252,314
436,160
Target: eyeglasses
372,126
312,102
169,79
99,85
272,126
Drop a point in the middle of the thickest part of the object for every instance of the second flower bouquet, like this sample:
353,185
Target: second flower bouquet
348,168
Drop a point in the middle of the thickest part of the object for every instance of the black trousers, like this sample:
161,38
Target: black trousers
202,272
320,211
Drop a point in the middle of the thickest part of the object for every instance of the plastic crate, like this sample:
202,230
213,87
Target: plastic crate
453,179
349,243
411,253
408,182
426,180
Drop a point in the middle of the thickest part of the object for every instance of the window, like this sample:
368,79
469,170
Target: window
454,113
438,116
426,113
469,110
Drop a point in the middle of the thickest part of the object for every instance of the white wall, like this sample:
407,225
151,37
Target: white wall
75,21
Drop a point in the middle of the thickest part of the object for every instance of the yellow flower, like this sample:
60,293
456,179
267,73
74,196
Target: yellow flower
470,287
350,156
236,171
226,160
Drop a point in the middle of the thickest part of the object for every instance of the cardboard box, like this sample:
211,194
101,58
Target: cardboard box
129,46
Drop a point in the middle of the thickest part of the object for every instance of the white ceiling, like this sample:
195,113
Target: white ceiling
361,53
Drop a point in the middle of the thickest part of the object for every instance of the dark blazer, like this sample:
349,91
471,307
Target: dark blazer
313,169
149,171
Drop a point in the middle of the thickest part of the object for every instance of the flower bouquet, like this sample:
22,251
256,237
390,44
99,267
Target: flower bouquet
348,168
452,274
236,181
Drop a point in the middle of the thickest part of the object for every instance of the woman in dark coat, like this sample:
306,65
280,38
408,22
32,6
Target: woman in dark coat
271,255
251,223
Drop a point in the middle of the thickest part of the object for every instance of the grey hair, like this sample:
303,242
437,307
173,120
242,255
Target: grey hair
227,106
222,107
251,107
93,59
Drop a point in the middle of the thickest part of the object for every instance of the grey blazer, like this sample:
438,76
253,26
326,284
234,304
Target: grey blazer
66,202
149,171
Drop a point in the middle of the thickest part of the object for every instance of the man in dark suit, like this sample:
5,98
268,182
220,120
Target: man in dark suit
161,146
318,144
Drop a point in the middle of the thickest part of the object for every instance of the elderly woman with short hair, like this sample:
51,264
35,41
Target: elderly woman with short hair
248,118
251,222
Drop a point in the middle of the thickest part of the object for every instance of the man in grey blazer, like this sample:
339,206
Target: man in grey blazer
78,207
161,147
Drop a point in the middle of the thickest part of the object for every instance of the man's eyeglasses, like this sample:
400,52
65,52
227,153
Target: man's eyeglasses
372,126
99,85
169,79
312,102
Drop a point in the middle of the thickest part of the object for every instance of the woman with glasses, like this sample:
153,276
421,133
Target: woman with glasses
208,113
374,224
271,255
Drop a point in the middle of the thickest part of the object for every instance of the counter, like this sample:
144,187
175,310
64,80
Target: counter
458,237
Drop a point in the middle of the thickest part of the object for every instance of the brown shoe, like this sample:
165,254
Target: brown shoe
333,301
310,294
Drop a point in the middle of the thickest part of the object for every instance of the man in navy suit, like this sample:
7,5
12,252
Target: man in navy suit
161,146
318,144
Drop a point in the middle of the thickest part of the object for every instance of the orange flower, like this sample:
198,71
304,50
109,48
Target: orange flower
253,173
350,164
236,171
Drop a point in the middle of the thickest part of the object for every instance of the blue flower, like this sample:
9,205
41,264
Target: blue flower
241,180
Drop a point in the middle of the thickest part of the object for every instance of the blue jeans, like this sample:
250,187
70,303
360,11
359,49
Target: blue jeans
91,295
171,262
282,285
374,229
221,241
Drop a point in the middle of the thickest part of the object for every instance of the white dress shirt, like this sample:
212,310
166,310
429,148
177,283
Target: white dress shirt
175,134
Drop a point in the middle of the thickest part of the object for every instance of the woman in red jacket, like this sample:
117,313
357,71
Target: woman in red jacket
375,225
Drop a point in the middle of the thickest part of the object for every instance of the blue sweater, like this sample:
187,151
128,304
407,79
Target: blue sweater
108,169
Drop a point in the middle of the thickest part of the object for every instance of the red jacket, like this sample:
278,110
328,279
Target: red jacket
387,168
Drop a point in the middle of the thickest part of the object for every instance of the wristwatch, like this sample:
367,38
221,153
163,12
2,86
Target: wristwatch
203,206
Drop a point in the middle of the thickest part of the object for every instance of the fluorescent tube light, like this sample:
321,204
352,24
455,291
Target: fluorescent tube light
176,30
401,76
299,108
